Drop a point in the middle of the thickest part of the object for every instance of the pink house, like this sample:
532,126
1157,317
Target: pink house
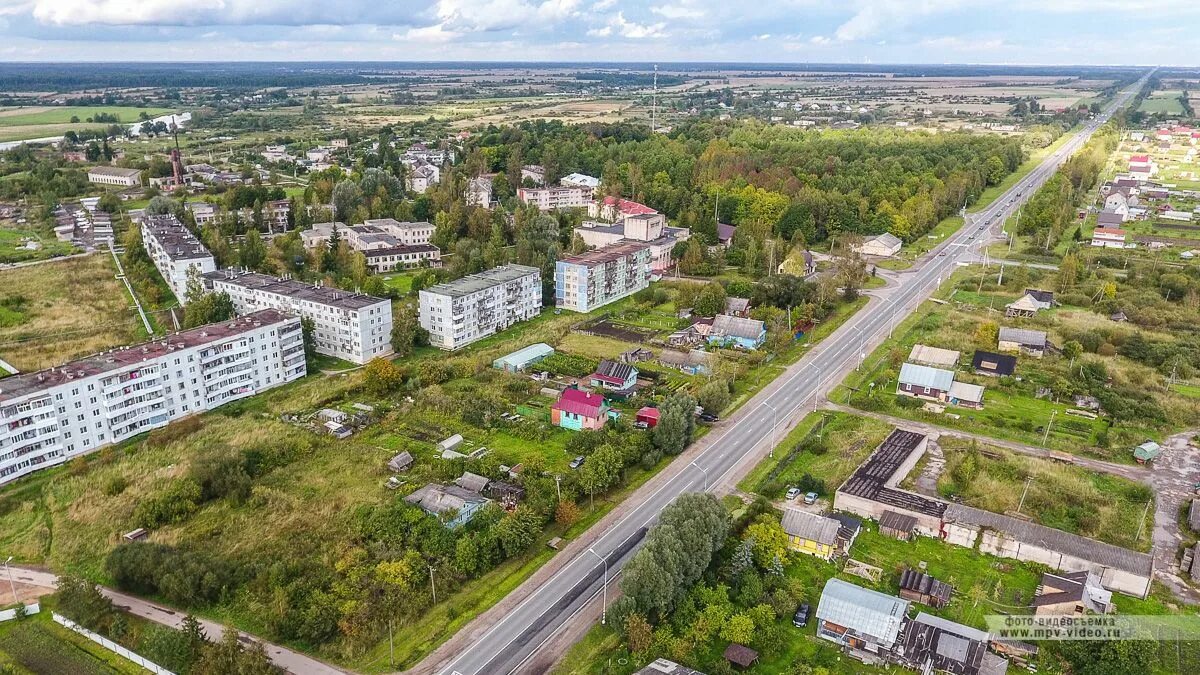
577,409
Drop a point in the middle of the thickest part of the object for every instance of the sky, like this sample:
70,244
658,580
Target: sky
1100,32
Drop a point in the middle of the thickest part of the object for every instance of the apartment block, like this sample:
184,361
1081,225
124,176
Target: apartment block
175,250
594,279
50,416
351,326
460,312
551,198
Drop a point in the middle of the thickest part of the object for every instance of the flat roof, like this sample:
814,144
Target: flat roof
869,480
605,254
482,281
178,241
322,295
17,386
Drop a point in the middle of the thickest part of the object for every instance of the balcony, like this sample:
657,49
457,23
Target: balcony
122,387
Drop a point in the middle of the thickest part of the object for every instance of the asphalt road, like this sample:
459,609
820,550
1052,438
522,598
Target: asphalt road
513,642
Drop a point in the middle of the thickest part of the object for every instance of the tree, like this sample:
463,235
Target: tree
308,332
714,396
738,628
161,205
407,332
986,334
381,376
600,470
767,540
229,657
677,552
252,252
207,307
638,633
347,197
711,300
676,424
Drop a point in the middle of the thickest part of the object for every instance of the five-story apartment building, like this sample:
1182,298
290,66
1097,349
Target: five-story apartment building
460,312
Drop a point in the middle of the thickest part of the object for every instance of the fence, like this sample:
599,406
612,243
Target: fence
10,614
110,645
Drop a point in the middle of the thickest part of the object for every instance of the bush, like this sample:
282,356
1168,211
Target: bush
178,501
187,578
115,486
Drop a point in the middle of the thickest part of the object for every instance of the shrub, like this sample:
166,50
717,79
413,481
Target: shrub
115,486
178,501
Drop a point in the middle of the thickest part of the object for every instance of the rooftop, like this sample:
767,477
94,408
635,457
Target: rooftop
482,281
924,376
1023,336
115,171
1057,540
934,356
178,241
870,480
810,526
605,254
17,386
725,325
865,611
321,295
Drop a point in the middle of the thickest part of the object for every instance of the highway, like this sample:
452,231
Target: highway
512,643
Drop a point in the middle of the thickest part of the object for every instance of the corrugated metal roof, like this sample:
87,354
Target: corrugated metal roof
966,392
862,609
736,326
924,376
1023,336
933,356
810,526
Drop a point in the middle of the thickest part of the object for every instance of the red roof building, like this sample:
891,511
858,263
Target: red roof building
648,415
1139,159
615,208
578,409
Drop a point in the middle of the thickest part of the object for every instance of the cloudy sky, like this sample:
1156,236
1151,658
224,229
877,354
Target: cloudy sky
880,31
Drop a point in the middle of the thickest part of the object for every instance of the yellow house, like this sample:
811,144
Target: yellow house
810,533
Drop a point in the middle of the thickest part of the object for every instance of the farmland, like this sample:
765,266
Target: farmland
38,645
57,311
28,122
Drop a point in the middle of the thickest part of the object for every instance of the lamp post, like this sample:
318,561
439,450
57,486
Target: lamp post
432,588
703,471
603,607
774,420
11,585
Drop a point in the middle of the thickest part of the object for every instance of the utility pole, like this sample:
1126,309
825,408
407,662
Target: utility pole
774,420
1142,524
558,485
1024,492
431,586
12,586
1046,436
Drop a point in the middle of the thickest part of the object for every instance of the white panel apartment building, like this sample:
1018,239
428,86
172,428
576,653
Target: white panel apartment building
50,416
584,282
460,312
551,198
350,326
175,250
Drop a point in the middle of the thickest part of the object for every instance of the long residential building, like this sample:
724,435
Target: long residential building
175,251
48,417
387,243
552,198
351,326
460,312
584,282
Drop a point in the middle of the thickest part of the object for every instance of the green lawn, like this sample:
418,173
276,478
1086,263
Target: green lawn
30,116
12,246
1162,101
400,282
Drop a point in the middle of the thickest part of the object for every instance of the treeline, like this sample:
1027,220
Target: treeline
187,650
1051,212
228,76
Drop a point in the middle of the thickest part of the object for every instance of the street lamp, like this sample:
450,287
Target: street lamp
861,339
11,586
431,586
604,607
704,471
774,420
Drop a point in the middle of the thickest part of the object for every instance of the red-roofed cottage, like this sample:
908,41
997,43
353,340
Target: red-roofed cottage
577,409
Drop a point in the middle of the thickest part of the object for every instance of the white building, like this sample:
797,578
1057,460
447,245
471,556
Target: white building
580,180
202,212
422,176
551,198
387,243
584,282
883,245
535,173
460,312
479,191
48,417
650,228
175,250
114,175
350,326
1108,237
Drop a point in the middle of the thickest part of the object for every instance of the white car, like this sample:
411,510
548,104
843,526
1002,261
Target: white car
792,493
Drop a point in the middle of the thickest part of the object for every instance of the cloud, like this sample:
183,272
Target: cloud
680,11
620,26
437,33
601,5
213,12
874,17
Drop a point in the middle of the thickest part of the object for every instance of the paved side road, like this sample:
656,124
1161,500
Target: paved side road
291,661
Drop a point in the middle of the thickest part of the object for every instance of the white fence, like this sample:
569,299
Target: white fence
10,614
111,646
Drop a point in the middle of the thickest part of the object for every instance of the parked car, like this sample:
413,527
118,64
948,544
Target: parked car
708,417
641,425
800,620
577,462
810,498
792,493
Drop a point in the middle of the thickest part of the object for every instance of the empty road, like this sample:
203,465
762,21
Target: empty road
512,641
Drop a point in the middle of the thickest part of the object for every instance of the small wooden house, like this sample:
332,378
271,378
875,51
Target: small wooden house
920,587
